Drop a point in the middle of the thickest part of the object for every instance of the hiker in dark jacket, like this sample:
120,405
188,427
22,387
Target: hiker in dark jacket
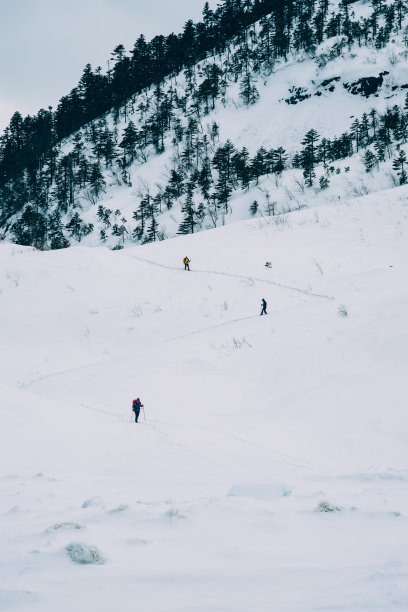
264,305
137,405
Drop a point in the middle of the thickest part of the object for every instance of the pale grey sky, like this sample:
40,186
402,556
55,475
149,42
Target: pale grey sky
45,44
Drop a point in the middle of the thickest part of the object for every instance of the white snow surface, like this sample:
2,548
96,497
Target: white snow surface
270,469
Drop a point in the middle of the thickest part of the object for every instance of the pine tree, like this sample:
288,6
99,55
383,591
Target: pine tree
222,162
399,165
56,237
324,182
401,10
303,36
178,131
380,150
210,88
176,183
64,184
280,158
107,147
356,130
97,182
77,228
104,215
383,141
167,198
377,6
266,47
347,29
152,231
31,228
248,91
253,209
403,128
242,168
324,150
129,143
141,215
259,164
370,160
309,156
319,21
204,180
364,126
152,210
215,131
192,215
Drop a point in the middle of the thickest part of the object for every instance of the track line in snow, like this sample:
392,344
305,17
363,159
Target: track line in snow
152,424
224,323
117,416
283,457
239,276
26,385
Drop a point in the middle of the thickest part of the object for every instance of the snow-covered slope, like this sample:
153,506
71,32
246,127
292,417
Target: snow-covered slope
322,99
252,423
95,194
328,106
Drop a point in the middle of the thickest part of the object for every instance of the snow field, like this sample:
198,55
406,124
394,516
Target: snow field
212,503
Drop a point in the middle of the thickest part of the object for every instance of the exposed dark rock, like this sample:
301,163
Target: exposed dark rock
298,94
403,86
366,86
328,81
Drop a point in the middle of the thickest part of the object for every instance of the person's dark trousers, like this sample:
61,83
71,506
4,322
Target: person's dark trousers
137,412
187,267
263,311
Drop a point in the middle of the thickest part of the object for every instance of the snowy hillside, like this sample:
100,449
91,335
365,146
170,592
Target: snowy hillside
308,91
256,128
271,470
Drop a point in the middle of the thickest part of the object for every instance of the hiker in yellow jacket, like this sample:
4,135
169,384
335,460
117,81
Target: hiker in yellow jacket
186,262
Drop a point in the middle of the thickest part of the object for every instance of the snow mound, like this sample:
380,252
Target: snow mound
85,554
92,501
324,506
174,513
66,525
120,508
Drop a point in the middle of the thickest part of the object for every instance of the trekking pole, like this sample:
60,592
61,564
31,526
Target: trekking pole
144,414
